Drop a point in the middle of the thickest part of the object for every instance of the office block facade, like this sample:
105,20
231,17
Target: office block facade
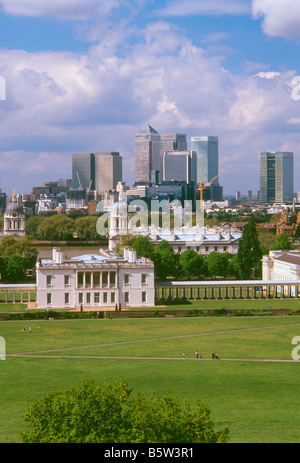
83,170
276,177
207,149
97,171
108,171
170,142
147,149
179,166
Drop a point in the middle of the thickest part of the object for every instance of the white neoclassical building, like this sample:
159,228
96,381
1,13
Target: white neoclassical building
283,266
95,280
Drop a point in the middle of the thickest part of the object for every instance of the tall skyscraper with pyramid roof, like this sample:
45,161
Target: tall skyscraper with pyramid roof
147,148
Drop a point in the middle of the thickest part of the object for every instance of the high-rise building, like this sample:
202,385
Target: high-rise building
179,166
207,149
108,171
276,177
170,142
96,171
83,170
147,145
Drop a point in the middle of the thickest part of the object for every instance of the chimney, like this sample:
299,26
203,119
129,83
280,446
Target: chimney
132,255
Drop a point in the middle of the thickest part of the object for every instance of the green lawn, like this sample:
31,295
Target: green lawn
257,400
264,305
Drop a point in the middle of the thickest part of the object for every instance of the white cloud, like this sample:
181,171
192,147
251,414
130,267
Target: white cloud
205,7
66,9
58,103
281,18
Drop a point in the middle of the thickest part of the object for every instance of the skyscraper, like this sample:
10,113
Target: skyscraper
83,170
179,166
108,171
99,171
276,177
147,145
170,142
207,149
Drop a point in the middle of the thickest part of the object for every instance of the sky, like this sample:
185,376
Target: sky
87,75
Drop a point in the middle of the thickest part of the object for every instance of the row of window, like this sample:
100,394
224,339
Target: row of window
95,298
207,248
87,278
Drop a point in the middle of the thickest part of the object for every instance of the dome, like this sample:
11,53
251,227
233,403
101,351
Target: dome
14,208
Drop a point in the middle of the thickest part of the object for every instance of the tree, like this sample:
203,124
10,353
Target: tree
282,243
191,264
22,247
125,240
250,252
143,247
217,264
57,227
164,260
114,413
85,228
14,270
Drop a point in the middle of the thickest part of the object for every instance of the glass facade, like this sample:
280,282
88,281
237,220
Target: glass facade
276,177
207,149
170,142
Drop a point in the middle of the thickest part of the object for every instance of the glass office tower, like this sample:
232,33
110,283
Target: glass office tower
276,177
83,170
207,149
170,142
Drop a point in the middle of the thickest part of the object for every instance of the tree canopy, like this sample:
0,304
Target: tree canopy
114,413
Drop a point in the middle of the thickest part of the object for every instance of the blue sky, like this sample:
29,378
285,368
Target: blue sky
86,75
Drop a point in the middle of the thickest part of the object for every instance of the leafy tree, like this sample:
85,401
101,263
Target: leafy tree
164,260
217,264
32,224
250,252
22,247
282,243
191,264
115,414
85,228
14,270
57,227
143,247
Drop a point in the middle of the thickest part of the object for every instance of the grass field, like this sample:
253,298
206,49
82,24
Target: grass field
252,389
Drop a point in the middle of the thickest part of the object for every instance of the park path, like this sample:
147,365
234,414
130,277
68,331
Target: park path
36,354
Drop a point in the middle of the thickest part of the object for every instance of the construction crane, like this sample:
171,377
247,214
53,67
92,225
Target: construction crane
202,186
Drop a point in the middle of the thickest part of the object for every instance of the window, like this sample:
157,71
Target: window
88,277
80,279
96,279
96,298
112,279
104,297
126,279
113,297
144,278
49,298
216,248
104,279
88,298
80,298
225,248
49,280
144,296
67,280
127,296
206,248
67,298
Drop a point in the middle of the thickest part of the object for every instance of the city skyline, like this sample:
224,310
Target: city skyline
85,76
